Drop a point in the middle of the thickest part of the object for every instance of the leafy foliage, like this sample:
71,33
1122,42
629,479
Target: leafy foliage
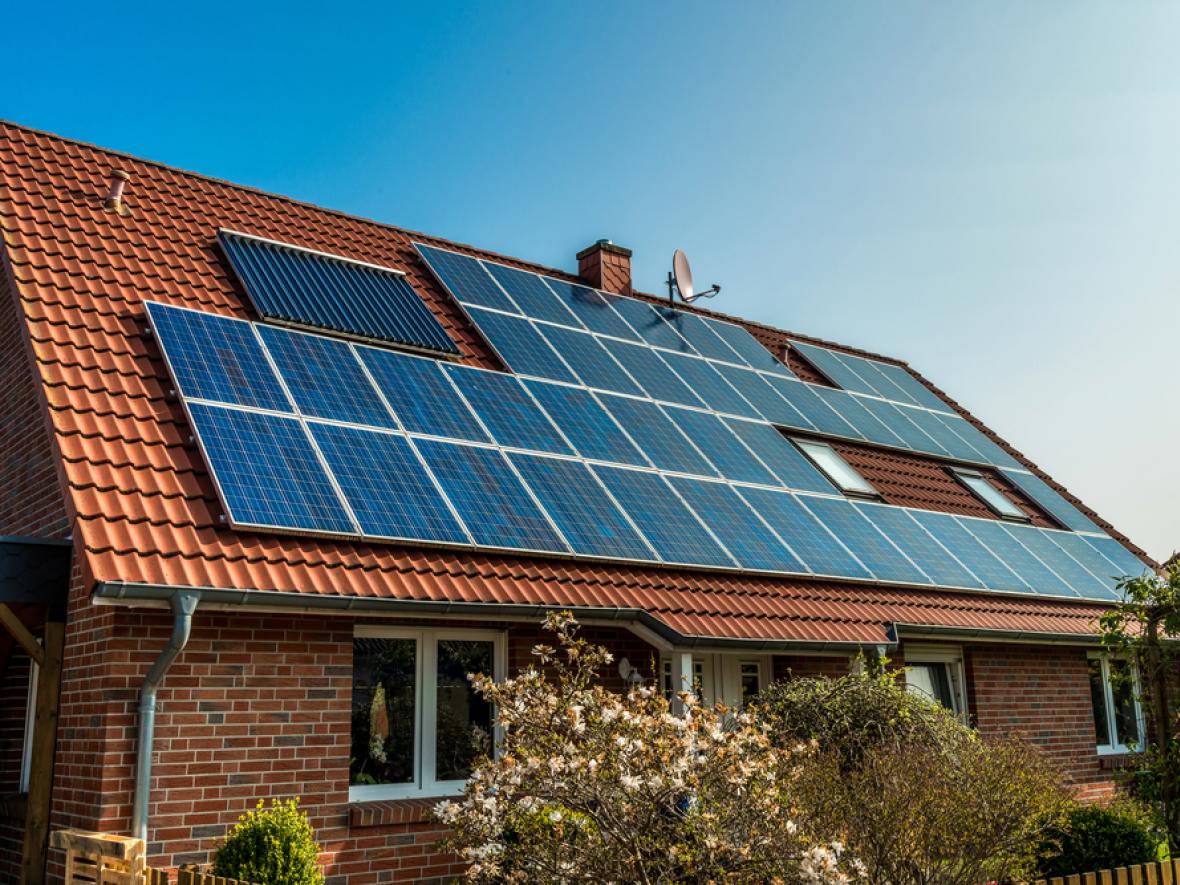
271,846
1095,837
593,786
915,795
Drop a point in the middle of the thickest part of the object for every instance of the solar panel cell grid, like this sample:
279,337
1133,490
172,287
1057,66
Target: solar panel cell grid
968,550
918,391
911,436
870,371
507,410
650,326
803,533
420,395
593,365
1055,557
324,377
714,438
574,499
916,543
586,423
747,347
708,385
884,560
489,498
791,467
465,278
1044,494
534,298
835,368
656,435
593,308
1016,556
950,441
268,472
701,336
216,358
520,345
386,485
652,373
667,524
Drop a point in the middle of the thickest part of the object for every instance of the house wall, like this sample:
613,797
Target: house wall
14,688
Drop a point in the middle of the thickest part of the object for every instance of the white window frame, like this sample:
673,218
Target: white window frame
721,675
952,659
26,755
424,784
1006,509
829,462
1114,748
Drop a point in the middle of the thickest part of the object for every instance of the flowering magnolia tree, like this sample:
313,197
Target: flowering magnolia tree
593,786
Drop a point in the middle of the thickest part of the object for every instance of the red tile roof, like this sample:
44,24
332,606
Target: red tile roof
145,508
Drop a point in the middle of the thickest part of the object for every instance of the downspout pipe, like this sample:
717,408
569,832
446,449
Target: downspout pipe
184,604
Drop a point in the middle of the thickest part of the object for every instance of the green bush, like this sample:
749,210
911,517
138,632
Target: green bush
1096,837
271,846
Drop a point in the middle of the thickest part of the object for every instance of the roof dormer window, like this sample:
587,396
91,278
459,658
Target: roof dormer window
834,467
996,501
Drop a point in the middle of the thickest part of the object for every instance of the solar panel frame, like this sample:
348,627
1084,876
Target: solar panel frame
989,568
671,527
938,563
993,455
873,548
519,345
593,308
951,442
918,391
650,325
1120,557
865,424
656,435
293,284
392,480
1079,578
414,388
708,385
748,347
1005,547
592,363
324,378
506,409
176,330
721,446
811,542
489,495
286,463
529,292
1088,557
651,373
871,372
737,525
811,406
754,387
589,427
910,434
465,279
700,335
589,518
832,365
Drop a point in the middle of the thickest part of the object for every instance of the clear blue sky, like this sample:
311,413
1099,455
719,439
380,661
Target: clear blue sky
990,190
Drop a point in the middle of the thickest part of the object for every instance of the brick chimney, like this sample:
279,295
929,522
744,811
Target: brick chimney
606,266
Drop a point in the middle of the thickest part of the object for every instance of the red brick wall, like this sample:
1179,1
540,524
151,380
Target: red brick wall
31,499
14,687
256,706
787,666
1044,694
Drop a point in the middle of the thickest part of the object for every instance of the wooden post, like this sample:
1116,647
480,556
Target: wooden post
36,845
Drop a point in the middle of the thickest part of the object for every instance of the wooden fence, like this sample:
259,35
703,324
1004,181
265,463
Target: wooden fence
190,875
1167,873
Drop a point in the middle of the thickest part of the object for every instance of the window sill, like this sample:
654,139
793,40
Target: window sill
1110,761
386,812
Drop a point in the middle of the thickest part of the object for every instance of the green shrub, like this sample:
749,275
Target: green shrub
271,846
1096,837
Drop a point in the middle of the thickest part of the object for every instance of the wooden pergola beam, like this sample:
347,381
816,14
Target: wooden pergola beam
21,634
41,758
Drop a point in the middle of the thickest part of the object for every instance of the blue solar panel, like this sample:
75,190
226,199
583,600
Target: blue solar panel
859,419
967,549
386,485
1126,563
991,452
899,425
1094,562
814,410
574,499
736,526
884,560
324,377
421,396
950,441
593,308
657,437
296,285
669,526
508,411
652,328
916,543
1059,508
701,336
520,345
534,298
652,373
833,366
216,358
497,509
757,391
708,385
711,435
793,469
267,471
747,347
918,391
1031,570
465,278
870,371
585,423
594,366
804,534
1054,556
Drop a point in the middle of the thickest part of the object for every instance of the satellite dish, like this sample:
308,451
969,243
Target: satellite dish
680,281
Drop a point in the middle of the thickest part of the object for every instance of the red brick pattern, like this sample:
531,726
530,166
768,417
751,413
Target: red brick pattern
607,267
14,688
804,667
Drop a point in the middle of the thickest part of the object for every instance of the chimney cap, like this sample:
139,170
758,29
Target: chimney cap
604,246
120,173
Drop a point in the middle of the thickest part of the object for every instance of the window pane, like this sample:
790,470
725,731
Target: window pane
751,674
464,717
698,678
1098,700
990,495
930,681
383,711
836,468
1126,724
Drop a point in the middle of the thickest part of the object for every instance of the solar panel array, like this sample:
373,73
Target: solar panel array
309,434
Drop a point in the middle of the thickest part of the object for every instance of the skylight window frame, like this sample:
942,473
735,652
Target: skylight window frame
1007,511
863,490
